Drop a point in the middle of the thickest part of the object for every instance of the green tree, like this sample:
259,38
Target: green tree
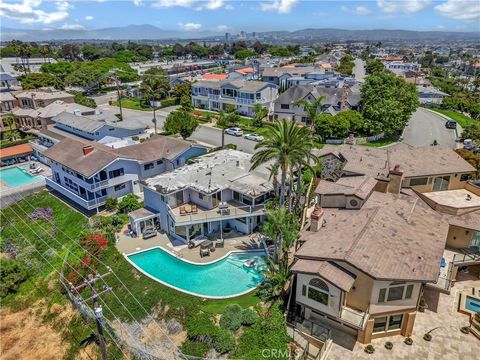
13,135
9,121
228,117
243,54
387,102
60,69
472,131
312,108
155,85
351,120
45,51
12,274
346,65
181,90
83,100
374,66
129,203
287,145
38,80
181,122
259,112
90,52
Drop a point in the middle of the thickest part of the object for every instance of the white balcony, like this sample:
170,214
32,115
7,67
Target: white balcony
86,204
186,214
354,317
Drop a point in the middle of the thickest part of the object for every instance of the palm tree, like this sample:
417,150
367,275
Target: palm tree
287,145
9,121
45,51
279,275
259,113
311,107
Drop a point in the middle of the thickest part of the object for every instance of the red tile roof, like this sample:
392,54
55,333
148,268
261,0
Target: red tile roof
209,76
16,150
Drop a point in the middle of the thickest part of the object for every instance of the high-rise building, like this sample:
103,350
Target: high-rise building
253,34
228,37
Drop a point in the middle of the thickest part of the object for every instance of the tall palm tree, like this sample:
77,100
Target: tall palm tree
279,275
287,145
311,107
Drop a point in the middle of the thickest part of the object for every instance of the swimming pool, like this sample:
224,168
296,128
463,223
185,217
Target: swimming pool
224,278
472,304
17,176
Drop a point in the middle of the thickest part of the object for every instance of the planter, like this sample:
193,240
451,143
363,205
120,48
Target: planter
369,349
388,345
408,341
427,337
465,329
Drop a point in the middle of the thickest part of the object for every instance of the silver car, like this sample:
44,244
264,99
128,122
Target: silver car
254,137
235,131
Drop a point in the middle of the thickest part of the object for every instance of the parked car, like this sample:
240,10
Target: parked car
469,145
235,131
450,124
254,137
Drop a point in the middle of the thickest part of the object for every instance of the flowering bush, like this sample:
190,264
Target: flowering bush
41,214
95,243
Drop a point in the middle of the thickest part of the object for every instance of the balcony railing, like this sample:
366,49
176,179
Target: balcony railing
354,317
466,258
444,280
87,204
233,211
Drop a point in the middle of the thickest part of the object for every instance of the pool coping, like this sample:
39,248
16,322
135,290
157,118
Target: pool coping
193,263
462,301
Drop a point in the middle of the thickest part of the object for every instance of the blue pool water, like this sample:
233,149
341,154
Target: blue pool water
16,176
472,304
226,277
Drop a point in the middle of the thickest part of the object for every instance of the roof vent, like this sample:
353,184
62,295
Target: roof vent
77,112
87,149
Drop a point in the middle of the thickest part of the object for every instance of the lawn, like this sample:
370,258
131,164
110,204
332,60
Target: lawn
70,227
382,142
461,119
133,104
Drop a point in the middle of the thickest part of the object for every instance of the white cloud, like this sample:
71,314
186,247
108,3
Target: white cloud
405,6
195,4
280,6
468,10
137,2
223,28
28,12
72,27
440,27
88,17
358,10
190,26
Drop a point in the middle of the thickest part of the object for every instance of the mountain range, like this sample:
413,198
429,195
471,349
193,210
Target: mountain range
150,32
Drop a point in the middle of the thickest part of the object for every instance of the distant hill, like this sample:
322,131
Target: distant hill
151,32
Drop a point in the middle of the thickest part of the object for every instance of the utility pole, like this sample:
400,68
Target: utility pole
119,95
97,309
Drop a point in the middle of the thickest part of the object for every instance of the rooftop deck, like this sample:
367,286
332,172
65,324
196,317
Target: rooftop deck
191,213
234,241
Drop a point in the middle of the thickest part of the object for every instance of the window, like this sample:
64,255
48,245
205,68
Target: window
236,196
284,106
148,166
380,324
408,293
465,177
304,290
119,187
247,200
395,322
200,196
395,293
159,162
418,181
318,296
381,295
116,173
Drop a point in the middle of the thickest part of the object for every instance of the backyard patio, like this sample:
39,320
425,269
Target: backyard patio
233,241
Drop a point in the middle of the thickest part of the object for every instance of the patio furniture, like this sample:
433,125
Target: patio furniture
148,233
194,208
219,243
204,252
206,244
193,243
183,211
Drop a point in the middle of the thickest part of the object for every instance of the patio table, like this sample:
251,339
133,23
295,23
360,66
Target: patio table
206,244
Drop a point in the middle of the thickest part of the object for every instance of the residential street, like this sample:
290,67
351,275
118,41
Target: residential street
359,69
425,127
213,136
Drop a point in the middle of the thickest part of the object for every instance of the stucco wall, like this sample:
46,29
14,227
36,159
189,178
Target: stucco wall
334,301
459,238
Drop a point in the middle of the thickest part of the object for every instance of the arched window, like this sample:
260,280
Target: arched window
319,284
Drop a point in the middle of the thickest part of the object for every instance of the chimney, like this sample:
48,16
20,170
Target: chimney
316,219
87,149
77,112
396,178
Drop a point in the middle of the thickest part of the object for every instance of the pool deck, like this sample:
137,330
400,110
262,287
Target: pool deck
233,242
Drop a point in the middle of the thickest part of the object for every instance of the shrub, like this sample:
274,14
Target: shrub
168,102
193,348
95,243
129,203
389,345
224,341
249,317
135,138
12,274
231,318
111,204
200,328
369,349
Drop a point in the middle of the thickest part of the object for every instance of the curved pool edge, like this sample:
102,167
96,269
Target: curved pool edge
186,291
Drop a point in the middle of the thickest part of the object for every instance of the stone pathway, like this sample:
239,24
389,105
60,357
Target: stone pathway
448,342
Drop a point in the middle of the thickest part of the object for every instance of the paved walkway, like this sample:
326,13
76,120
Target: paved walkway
448,342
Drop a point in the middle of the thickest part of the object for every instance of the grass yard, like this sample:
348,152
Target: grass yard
43,290
382,142
461,119
133,104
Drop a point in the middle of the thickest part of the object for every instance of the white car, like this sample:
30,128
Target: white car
235,131
254,137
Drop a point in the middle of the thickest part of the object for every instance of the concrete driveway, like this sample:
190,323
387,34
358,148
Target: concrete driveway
212,136
425,126
359,70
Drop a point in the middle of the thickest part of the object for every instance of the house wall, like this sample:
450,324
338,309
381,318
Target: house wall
332,201
454,183
393,306
458,237
106,130
360,294
334,301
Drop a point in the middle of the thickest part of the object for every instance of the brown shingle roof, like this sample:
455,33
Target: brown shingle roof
69,152
393,237
360,186
326,270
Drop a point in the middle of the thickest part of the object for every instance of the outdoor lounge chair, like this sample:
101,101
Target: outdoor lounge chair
194,208
148,233
183,211
219,243
204,252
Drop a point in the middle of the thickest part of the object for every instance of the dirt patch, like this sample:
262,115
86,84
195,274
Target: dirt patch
25,337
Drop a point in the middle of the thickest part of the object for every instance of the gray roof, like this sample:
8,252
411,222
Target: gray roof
332,96
6,77
59,106
359,186
91,123
245,85
51,134
225,169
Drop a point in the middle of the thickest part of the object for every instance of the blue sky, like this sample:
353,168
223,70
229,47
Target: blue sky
234,16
